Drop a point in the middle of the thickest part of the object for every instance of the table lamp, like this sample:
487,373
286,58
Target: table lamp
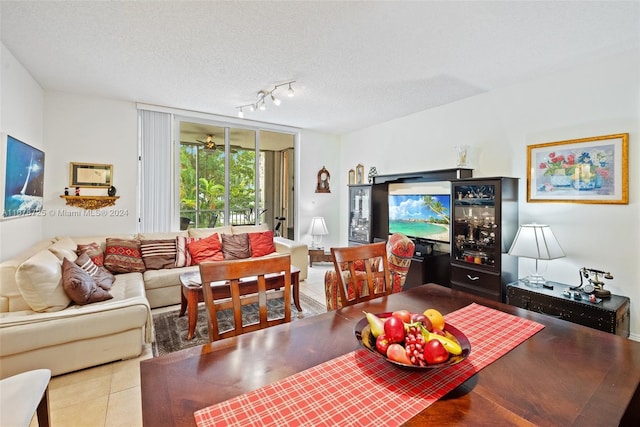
536,241
317,229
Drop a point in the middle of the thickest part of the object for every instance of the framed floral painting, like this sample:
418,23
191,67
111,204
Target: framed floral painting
588,170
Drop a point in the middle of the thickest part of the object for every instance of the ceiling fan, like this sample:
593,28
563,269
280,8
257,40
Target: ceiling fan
209,143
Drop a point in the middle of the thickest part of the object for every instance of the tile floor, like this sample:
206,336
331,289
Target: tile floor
109,395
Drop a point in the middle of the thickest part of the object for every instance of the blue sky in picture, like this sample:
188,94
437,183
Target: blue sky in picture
411,207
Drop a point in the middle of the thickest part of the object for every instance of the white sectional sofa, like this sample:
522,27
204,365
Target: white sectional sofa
81,336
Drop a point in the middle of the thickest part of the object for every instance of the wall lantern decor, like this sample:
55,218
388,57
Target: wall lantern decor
360,174
352,177
323,181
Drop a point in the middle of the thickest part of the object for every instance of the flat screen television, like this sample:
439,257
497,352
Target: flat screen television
420,216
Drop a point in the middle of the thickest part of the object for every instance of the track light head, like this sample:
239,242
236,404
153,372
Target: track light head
259,104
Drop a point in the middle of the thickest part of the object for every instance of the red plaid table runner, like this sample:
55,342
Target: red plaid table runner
361,388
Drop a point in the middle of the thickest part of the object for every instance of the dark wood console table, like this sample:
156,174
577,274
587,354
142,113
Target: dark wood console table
609,314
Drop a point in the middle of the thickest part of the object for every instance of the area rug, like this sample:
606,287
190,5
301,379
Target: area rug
171,330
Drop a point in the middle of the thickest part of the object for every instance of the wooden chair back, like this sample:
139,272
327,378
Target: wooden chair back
242,277
363,272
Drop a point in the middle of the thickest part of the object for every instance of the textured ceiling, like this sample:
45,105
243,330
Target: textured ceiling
355,63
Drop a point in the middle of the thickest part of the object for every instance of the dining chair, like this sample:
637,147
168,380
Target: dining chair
235,273
362,272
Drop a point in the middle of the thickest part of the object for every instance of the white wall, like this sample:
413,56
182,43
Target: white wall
318,150
92,130
593,99
21,109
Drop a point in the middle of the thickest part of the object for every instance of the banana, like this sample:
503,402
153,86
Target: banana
452,346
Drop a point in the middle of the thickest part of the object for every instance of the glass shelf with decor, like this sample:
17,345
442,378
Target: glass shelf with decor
484,222
359,214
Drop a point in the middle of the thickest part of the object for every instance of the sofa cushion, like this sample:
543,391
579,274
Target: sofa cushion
183,256
123,256
64,248
261,243
93,250
80,286
207,249
39,279
101,275
236,246
239,229
158,254
206,232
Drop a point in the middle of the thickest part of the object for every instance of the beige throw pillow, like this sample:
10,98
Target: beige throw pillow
64,248
39,279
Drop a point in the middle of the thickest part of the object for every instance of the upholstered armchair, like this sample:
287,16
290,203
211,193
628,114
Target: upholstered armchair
399,252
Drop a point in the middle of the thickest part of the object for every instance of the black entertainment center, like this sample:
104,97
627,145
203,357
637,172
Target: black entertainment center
428,265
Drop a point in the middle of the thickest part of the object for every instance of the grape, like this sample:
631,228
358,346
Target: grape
414,345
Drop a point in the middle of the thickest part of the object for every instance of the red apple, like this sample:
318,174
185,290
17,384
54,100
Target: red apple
394,330
438,332
435,352
422,319
397,353
403,315
382,344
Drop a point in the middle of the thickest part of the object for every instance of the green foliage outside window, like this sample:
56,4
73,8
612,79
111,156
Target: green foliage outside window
202,184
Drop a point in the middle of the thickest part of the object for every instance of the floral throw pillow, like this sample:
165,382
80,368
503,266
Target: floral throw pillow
123,256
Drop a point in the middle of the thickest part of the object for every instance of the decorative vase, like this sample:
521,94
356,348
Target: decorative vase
560,180
111,191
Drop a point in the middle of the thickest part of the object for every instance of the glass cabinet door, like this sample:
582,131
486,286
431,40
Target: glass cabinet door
475,229
360,213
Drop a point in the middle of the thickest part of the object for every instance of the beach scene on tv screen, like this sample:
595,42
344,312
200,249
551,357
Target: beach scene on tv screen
419,215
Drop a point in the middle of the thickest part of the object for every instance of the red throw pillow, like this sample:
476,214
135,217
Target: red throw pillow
207,249
261,243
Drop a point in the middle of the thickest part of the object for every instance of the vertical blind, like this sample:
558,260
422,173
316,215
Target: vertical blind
156,172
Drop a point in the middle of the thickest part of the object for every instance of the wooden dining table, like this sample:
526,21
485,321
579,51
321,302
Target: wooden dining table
566,374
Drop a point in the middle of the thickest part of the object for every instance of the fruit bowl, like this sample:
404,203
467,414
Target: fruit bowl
364,336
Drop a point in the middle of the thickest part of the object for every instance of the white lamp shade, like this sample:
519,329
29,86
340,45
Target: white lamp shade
536,241
318,227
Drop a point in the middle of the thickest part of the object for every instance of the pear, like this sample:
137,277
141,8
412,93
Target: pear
375,324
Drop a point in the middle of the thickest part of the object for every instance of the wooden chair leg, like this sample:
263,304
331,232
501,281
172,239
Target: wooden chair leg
43,409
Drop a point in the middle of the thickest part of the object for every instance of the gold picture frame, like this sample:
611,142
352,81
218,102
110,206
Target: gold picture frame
586,170
94,175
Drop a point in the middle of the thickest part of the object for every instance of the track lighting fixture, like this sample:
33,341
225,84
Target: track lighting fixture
260,100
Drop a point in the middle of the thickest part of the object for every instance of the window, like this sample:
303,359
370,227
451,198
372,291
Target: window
233,176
